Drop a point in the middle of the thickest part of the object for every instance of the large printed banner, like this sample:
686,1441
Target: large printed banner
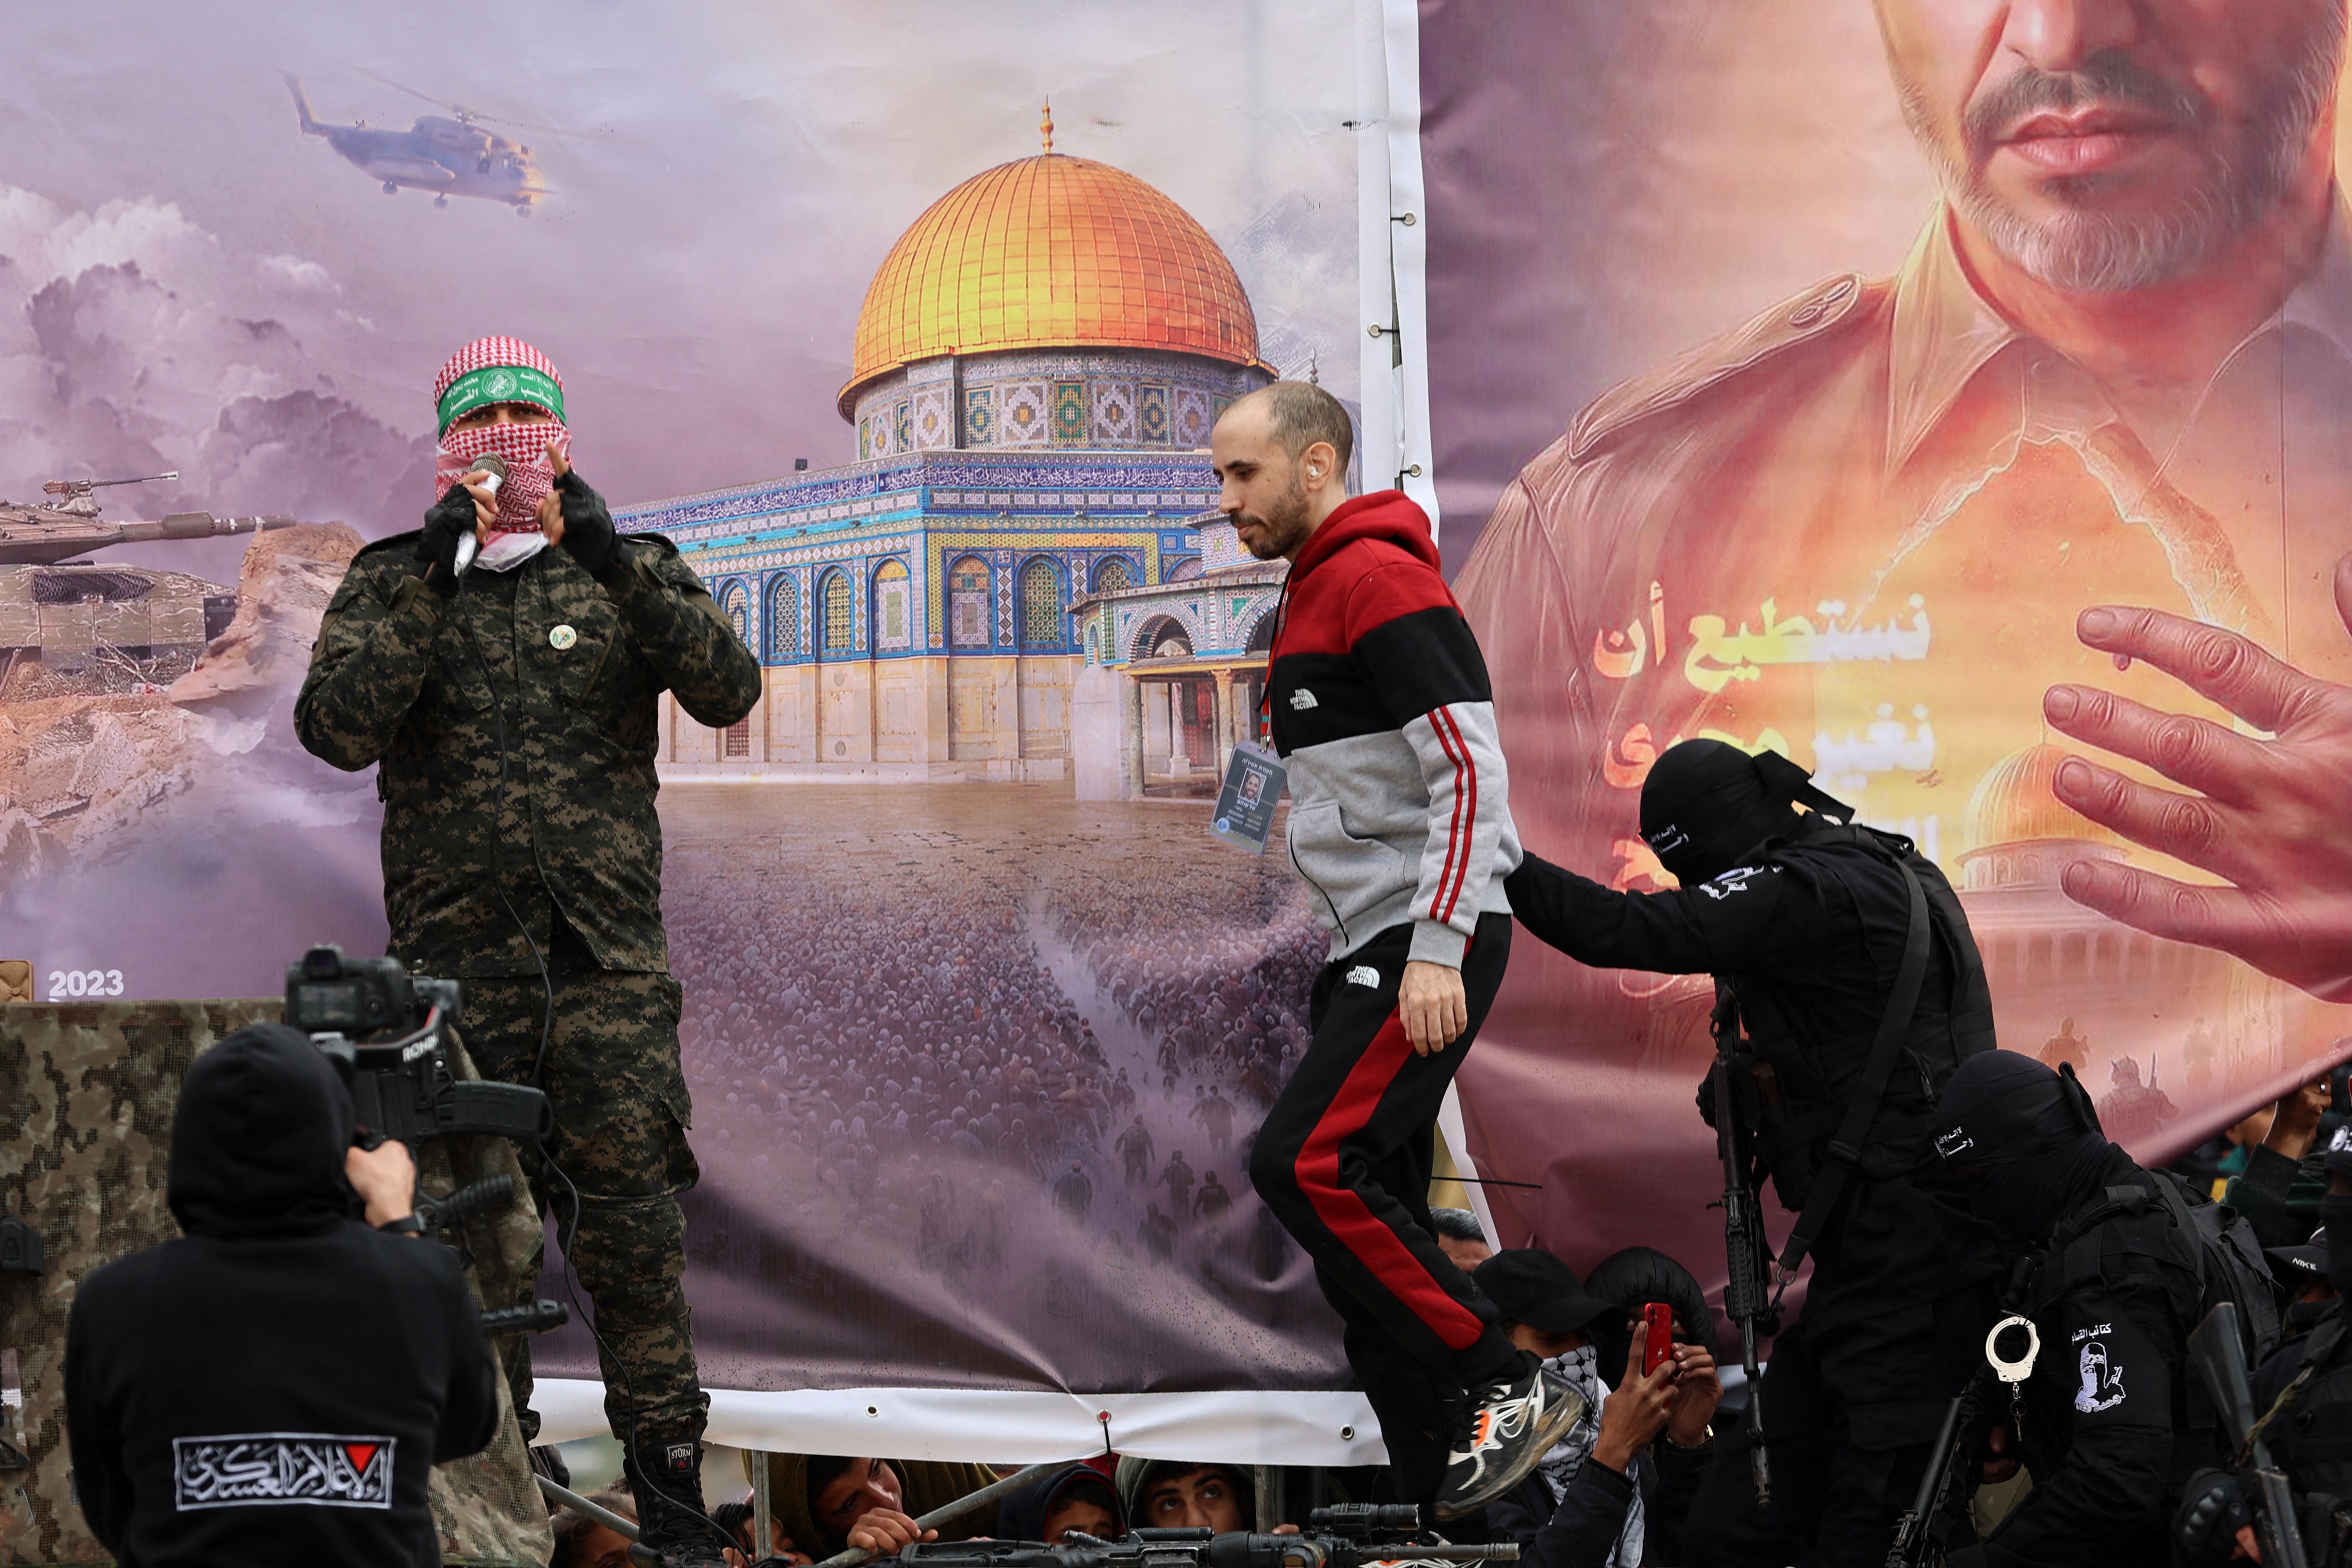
1801,374
975,1060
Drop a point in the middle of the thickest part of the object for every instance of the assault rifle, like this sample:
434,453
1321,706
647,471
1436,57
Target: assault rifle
1351,1536
2217,1349
1745,1302
1943,1488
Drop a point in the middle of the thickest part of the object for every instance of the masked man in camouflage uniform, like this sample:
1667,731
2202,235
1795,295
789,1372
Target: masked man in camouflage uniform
512,710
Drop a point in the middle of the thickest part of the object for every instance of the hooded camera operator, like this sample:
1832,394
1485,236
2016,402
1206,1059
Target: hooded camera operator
1806,925
2305,1389
2104,1427
514,712
275,1387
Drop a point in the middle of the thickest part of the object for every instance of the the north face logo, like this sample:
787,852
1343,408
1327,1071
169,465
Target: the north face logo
1302,699
243,1469
1364,975
1952,1143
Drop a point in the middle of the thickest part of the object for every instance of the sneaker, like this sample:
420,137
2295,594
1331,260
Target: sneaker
1512,1425
666,1477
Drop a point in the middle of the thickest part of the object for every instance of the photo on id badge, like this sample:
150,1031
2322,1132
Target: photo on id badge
1245,803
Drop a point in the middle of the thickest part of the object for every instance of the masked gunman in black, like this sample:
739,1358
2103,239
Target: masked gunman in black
2104,1419
2306,1390
1806,923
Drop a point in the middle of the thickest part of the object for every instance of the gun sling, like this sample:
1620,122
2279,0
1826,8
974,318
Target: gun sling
1894,1026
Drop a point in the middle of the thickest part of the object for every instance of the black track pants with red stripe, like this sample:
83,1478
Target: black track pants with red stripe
1343,1161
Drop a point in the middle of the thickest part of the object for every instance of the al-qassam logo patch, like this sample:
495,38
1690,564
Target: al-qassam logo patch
241,1469
2102,1386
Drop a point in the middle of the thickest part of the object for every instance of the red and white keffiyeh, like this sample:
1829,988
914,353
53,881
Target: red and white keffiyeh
514,535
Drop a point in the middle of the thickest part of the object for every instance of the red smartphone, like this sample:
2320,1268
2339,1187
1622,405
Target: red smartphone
1658,1327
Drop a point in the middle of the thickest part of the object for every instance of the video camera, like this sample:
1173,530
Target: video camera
382,1027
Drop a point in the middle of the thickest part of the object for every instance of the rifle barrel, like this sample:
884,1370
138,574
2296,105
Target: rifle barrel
1743,1288
1497,1552
1911,1529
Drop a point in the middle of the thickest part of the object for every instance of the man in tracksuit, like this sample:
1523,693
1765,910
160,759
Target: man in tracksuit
1401,825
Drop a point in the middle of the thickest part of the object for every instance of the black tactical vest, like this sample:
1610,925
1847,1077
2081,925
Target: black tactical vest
1803,1085
2100,1246
2311,1441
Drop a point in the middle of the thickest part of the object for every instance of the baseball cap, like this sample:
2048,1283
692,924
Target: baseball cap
2298,1267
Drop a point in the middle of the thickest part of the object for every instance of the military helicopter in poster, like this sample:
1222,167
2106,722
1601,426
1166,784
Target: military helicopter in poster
449,155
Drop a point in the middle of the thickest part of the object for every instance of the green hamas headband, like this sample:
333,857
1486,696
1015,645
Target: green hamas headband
500,383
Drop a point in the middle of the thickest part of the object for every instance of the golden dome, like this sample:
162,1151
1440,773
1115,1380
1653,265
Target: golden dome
1051,252
2014,804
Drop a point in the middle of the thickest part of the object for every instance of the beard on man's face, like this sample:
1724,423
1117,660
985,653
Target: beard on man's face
1282,525
2247,164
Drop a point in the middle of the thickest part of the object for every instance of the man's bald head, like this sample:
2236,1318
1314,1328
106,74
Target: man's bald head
1281,455
1297,414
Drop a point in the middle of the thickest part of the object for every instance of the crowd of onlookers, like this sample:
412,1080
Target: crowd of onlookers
823,1504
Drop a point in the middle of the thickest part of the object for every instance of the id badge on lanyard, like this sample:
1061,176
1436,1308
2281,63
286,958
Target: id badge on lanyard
1244,814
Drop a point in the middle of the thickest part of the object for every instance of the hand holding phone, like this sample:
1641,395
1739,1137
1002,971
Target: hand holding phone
1658,1335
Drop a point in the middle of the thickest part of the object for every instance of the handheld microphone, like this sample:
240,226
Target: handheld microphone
470,544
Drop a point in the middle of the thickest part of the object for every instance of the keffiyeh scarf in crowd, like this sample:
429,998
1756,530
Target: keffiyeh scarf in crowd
1580,1368
502,370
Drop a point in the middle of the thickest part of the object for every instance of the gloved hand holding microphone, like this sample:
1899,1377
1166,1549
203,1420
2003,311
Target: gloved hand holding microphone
457,522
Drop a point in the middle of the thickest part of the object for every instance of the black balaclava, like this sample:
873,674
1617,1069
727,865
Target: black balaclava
258,1141
1706,803
2020,1141
2335,1219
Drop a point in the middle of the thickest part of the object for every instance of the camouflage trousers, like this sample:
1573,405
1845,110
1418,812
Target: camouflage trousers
621,1114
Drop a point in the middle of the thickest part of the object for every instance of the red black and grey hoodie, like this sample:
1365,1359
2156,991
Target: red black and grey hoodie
1399,803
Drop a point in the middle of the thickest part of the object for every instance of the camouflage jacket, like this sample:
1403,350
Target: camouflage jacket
559,676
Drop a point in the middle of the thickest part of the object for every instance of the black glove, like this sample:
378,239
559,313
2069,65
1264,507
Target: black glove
588,531
451,518
2212,1508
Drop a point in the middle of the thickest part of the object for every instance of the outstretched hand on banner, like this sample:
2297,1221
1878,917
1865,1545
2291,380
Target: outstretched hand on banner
2268,816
